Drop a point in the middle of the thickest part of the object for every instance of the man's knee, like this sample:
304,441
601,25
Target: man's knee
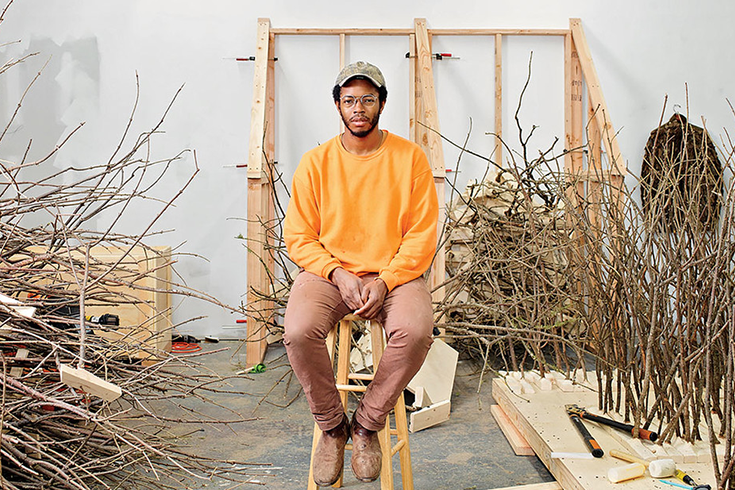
412,334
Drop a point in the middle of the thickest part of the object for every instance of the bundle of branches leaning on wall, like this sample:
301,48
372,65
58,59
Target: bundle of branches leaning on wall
681,171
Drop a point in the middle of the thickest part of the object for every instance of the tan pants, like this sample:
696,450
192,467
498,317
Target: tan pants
315,306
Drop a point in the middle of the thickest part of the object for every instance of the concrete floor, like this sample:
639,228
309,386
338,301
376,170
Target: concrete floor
467,452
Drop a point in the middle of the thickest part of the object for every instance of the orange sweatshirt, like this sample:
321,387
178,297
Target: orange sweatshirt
374,213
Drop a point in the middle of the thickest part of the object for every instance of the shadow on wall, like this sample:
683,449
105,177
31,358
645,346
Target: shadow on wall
64,95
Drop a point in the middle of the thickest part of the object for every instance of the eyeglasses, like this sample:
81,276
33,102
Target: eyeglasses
367,100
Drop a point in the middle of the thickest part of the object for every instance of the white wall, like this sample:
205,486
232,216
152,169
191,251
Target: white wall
643,52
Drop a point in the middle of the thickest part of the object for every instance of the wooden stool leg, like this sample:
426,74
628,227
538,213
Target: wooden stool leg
315,440
386,469
331,343
343,358
404,450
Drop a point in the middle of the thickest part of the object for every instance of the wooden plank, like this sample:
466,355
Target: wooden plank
256,340
372,31
432,145
89,383
437,274
269,207
436,375
594,164
260,100
413,90
573,122
429,416
260,206
498,153
595,94
431,142
515,438
502,32
328,31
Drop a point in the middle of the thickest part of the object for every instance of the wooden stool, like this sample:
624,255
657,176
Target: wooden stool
344,330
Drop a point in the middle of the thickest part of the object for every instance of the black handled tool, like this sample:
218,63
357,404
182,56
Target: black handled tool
642,433
597,451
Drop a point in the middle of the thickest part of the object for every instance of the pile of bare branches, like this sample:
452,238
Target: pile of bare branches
53,435
509,283
56,436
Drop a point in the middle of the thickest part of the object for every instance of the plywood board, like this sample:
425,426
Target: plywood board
436,376
541,418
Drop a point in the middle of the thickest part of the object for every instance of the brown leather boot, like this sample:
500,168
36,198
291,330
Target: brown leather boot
367,458
329,456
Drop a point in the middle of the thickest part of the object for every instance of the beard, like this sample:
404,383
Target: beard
365,132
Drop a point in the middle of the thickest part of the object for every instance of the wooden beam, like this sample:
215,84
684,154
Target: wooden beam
260,206
502,32
498,153
371,31
342,61
328,31
413,91
260,100
431,142
573,121
595,93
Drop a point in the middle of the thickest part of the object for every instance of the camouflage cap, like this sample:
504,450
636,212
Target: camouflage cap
360,69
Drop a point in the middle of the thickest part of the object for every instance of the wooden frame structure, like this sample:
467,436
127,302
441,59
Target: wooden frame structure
424,130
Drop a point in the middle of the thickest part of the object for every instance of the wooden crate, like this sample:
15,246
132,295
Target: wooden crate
145,314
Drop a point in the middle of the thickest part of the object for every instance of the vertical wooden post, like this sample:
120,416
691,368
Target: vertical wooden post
498,153
414,91
574,139
431,142
573,121
342,54
260,206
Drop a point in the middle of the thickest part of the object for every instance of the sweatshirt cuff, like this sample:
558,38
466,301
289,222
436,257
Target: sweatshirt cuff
389,279
327,269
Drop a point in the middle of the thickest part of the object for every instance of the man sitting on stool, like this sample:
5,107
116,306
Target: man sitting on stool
361,225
